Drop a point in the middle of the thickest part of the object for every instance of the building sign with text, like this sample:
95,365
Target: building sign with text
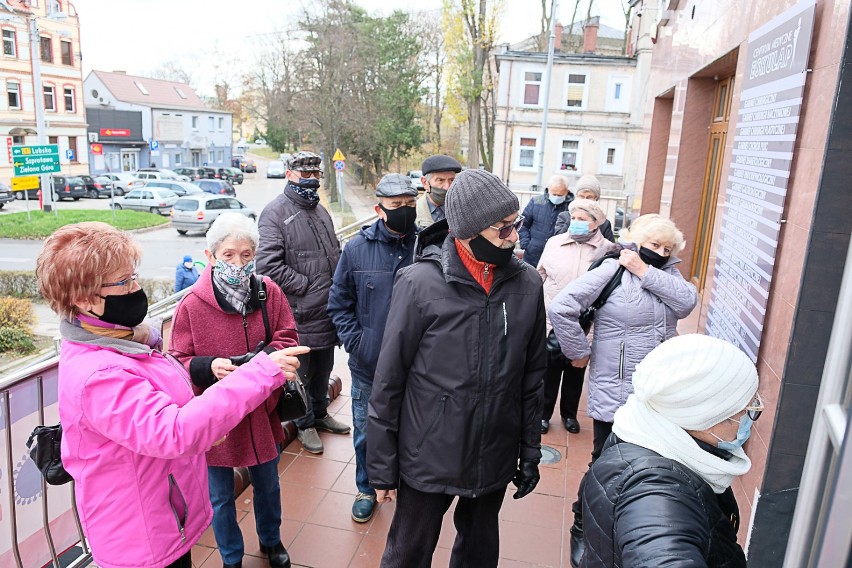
766,127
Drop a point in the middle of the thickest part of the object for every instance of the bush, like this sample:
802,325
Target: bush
16,313
16,340
19,283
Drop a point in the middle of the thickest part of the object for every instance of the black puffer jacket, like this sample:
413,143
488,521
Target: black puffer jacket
299,251
456,396
642,509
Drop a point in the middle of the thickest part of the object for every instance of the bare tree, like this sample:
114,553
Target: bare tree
173,70
626,9
546,18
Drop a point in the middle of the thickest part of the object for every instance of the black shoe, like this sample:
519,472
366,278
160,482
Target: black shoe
278,557
578,545
571,425
545,426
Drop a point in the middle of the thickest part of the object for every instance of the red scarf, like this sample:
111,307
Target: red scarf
482,272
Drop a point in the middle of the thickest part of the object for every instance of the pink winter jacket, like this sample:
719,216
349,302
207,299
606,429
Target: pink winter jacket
201,331
134,438
564,260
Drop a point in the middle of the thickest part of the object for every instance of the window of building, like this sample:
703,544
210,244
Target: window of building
211,156
569,154
575,97
618,93
68,93
141,88
49,98
210,123
10,47
180,92
612,158
18,140
53,139
67,53
177,159
13,90
221,123
46,49
221,156
610,155
72,145
195,123
532,88
526,152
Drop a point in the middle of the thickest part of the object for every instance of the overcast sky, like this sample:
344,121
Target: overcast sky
139,36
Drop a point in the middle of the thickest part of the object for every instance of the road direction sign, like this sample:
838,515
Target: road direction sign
24,182
34,160
339,165
338,156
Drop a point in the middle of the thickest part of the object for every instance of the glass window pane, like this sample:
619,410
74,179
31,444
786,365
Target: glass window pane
531,94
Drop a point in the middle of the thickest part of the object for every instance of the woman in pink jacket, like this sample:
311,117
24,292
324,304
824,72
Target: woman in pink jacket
134,435
218,325
565,257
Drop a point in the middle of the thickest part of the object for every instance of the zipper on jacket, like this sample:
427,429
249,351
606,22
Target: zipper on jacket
621,363
484,378
485,273
173,487
245,332
437,414
180,369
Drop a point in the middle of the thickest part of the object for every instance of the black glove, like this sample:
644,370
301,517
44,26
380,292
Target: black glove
526,478
242,359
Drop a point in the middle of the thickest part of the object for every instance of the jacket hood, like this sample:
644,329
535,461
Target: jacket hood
430,240
610,247
72,331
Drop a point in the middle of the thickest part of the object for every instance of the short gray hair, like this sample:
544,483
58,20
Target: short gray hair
558,179
232,225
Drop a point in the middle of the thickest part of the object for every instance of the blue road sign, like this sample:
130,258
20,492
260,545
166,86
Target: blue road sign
69,154
339,165
155,145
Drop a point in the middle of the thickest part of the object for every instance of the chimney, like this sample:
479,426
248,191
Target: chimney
119,72
557,41
590,35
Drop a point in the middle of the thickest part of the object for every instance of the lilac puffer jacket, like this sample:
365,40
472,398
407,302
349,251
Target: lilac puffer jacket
639,315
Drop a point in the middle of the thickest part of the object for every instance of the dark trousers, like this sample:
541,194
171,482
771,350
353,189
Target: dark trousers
559,370
601,431
315,370
184,561
416,527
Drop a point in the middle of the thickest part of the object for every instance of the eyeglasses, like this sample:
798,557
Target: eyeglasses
506,230
127,281
306,175
755,407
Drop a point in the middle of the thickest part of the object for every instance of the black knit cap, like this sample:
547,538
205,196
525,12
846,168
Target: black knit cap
440,163
477,200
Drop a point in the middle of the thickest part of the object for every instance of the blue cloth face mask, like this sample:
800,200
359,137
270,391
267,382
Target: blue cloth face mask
743,433
557,199
578,227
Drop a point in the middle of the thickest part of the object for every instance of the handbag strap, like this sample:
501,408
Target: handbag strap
261,295
613,283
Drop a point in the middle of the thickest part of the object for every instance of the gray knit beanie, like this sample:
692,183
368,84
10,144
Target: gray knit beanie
477,200
589,183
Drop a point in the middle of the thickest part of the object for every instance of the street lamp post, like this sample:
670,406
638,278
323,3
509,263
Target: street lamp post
38,99
554,14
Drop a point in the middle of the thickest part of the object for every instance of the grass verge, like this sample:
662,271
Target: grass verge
16,225
265,152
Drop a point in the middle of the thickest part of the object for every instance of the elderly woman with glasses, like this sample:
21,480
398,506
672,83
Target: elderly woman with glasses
660,493
229,316
134,433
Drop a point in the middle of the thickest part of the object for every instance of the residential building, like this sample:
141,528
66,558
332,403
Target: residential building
591,126
135,122
61,86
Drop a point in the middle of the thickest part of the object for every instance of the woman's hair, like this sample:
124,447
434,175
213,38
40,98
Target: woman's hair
654,227
232,225
589,206
76,259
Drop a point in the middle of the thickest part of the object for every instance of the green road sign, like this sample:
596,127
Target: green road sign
35,160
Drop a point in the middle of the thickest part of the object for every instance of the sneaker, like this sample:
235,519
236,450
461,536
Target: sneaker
310,440
362,508
329,424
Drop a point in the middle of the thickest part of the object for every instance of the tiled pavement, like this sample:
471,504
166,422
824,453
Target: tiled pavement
318,491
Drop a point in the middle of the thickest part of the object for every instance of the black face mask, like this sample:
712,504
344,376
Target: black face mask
308,183
125,309
400,220
650,257
484,251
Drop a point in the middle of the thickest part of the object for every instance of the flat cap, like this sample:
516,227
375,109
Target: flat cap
304,162
440,163
394,185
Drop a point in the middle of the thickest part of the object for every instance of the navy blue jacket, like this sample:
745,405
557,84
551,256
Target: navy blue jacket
360,295
539,221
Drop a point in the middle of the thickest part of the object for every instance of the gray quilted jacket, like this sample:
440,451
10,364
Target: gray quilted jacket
639,315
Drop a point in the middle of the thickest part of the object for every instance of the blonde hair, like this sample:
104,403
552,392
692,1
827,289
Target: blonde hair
589,206
654,227
76,259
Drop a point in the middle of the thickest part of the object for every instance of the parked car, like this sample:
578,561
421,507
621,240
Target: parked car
216,186
192,173
96,189
65,187
415,176
179,188
108,185
233,175
166,171
236,159
246,165
155,199
124,182
26,194
6,194
275,169
197,212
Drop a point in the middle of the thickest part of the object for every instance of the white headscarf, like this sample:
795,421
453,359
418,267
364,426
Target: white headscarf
690,382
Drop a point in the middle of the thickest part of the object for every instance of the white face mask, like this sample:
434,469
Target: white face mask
187,264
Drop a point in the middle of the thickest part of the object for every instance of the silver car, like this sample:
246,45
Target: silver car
197,212
124,182
275,169
180,188
155,199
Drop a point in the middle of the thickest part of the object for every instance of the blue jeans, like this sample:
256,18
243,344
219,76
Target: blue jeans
362,386
315,371
267,508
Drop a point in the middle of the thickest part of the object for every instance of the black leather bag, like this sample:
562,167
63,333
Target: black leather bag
552,344
46,453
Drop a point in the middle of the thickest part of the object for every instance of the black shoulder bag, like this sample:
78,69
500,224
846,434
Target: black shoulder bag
293,402
46,453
